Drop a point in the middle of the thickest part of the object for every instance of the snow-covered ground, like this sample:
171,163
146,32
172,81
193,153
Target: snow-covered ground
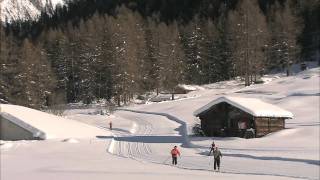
142,136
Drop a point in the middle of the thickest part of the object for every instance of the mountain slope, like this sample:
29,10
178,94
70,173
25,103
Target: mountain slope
26,9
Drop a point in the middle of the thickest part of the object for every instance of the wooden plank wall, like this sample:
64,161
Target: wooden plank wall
266,125
211,121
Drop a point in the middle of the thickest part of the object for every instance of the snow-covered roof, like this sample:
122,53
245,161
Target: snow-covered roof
253,106
35,132
48,126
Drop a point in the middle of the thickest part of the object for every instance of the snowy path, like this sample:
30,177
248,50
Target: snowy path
151,136
147,135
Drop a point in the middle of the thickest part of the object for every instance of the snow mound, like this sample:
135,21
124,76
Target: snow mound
2,142
48,126
284,133
70,140
191,87
112,116
6,145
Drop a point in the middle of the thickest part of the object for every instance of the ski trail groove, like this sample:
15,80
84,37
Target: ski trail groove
142,151
127,144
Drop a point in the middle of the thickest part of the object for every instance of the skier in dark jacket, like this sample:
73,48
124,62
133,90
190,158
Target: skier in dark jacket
217,155
110,125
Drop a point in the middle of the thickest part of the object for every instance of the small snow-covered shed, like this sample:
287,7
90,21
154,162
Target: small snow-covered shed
13,129
22,123
241,117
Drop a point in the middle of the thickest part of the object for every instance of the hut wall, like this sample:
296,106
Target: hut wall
266,125
210,125
222,120
11,131
212,121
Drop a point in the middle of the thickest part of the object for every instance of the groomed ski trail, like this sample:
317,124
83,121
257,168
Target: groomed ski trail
152,135
146,134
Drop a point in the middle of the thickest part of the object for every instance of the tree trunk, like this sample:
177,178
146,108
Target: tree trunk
246,80
118,100
288,68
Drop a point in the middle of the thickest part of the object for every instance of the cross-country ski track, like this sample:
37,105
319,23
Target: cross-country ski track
150,137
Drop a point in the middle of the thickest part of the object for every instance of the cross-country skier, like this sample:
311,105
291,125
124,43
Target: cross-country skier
212,148
110,125
174,153
217,155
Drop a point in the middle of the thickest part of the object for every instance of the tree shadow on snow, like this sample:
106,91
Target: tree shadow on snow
121,130
150,139
104,137
308,161
145,139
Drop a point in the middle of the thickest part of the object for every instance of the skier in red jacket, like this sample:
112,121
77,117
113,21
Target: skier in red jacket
174,153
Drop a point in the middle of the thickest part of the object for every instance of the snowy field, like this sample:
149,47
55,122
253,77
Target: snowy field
138,146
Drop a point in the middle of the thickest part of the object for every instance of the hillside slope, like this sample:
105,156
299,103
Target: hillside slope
13,10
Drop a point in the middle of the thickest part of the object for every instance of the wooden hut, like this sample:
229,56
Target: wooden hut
241,117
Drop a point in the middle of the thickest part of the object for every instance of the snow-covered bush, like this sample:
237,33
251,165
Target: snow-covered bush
197,131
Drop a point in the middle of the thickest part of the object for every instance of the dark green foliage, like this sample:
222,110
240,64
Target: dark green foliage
310,37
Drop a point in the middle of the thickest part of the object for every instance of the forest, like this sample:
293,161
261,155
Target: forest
118,49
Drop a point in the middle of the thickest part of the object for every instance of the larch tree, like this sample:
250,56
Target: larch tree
285,26
151,73
171,56
194,41
248,34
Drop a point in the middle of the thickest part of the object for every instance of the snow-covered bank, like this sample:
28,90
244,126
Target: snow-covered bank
48,126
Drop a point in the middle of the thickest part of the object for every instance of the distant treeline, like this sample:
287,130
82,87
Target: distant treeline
116,49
